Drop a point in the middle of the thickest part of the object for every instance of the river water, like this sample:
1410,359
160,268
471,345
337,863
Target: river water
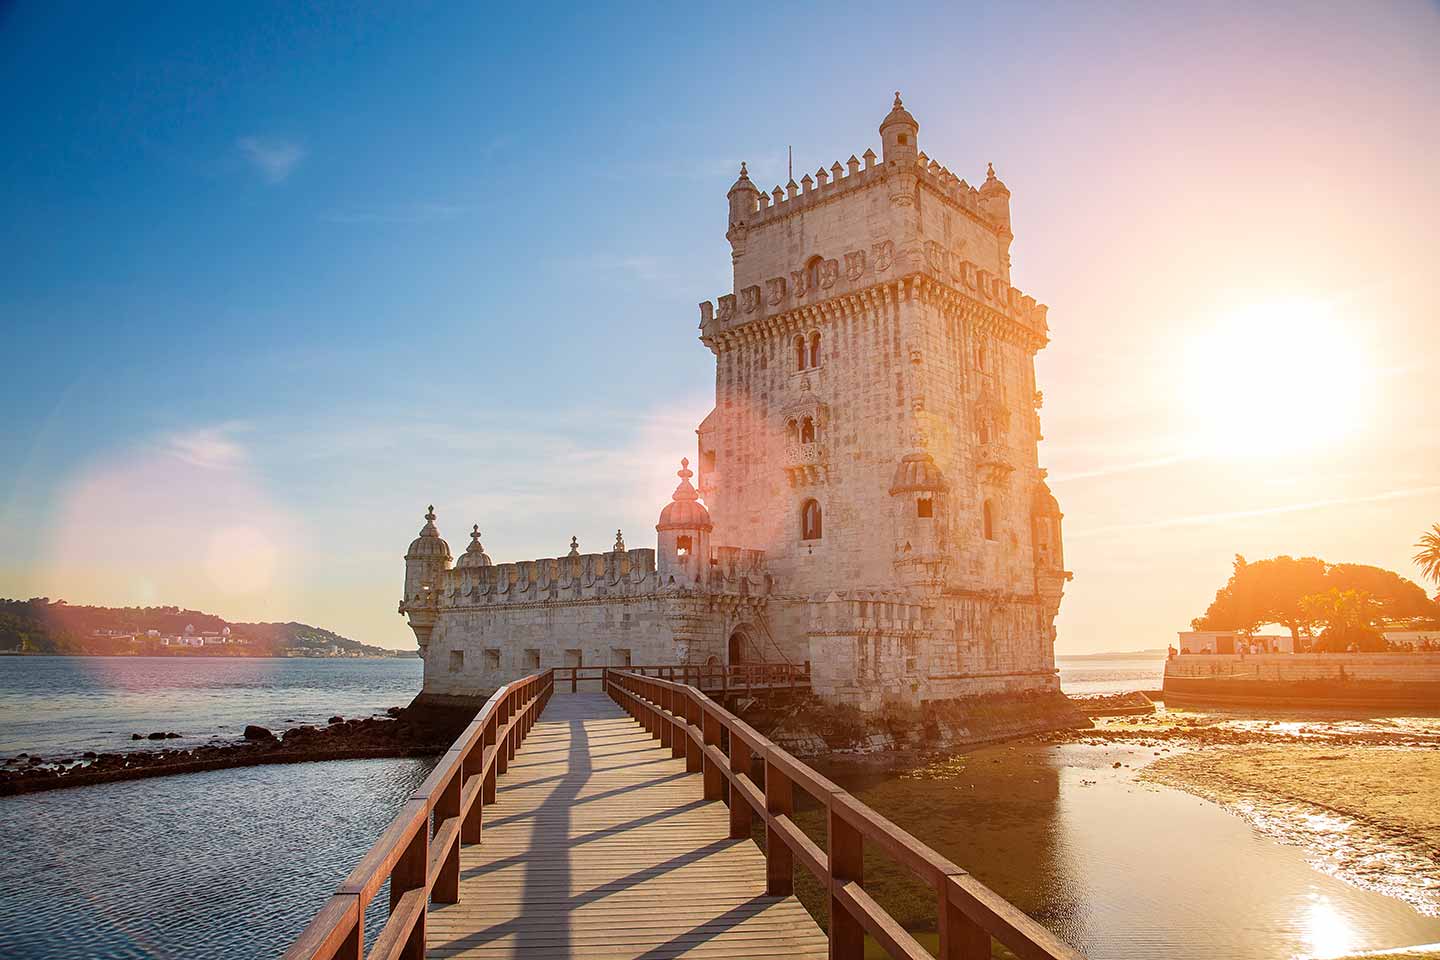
231,863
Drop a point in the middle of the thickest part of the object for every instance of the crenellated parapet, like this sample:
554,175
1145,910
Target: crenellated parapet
597,576
828,186
945,279
581,576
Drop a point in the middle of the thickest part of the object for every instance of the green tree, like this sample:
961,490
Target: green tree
1351,618
1396,598
1266,591
1428,558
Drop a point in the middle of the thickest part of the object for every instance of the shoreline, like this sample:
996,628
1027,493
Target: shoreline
404,732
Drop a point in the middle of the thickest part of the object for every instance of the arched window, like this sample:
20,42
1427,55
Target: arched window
924,507
792,432
984,431
682,546
799,353
989,520
812,273
980,356
807,430
815,349
810,520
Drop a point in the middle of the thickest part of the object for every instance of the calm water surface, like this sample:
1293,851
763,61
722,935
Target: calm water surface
231,863
1087,677
56,706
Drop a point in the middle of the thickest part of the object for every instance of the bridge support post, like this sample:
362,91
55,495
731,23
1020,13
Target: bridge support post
960,937
714,777
779,861
409,874
740,812
487,793
447,807
473,824
694,755
847,864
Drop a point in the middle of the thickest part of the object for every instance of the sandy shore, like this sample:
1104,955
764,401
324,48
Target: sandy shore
1395,790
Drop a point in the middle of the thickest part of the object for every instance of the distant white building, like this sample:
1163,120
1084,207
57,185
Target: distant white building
1232,641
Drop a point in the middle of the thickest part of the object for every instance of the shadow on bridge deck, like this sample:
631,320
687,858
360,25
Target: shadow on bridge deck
600,846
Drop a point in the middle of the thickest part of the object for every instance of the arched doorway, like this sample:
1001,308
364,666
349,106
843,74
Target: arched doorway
739,643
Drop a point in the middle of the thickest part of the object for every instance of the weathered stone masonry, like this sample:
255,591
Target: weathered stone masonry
873,451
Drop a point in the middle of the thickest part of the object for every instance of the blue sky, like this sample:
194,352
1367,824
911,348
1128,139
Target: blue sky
290,274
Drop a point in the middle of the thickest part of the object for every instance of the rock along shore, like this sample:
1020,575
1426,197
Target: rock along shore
404,732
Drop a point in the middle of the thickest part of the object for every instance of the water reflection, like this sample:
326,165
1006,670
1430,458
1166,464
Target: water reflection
1124,869
1327,932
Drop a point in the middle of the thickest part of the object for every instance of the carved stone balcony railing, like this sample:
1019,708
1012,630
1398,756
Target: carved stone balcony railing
806,464
993,463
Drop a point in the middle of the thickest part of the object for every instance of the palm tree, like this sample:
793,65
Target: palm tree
1428,559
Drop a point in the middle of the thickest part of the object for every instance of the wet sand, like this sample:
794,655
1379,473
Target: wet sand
1358,793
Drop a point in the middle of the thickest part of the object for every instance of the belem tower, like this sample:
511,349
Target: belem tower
866,492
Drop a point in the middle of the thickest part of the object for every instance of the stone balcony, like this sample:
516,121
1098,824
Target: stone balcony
993,463
806,464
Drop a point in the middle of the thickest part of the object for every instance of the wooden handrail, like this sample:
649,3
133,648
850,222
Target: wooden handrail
726,678
419,853
968,913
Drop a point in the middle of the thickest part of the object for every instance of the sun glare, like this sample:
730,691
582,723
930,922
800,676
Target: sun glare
1275,378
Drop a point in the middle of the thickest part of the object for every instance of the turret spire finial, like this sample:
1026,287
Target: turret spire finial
619,542
683,490
574,546
743,172
430,513
989,171
897,99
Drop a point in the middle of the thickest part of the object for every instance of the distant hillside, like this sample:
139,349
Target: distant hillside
42,625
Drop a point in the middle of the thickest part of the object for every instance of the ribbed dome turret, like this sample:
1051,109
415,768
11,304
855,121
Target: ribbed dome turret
898,114
684,511
428,546
474,555
743,183
915,473
993,184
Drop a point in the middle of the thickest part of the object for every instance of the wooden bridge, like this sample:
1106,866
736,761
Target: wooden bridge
619,823
718,680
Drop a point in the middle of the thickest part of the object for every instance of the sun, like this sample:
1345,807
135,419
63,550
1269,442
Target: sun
1275,378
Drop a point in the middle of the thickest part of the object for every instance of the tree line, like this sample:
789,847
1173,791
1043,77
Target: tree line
1326,606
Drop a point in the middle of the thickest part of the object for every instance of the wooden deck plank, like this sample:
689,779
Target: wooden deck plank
601,845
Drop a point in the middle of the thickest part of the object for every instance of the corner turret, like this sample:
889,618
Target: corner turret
744,199
425,563
921,513
683,547
899,135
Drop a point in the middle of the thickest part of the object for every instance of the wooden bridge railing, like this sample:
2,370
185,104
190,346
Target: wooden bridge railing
969,914
419,853
722,678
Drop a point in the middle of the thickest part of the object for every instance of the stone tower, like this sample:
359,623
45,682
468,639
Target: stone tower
875,426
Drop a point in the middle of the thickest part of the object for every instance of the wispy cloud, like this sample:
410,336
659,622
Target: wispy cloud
275,159
212,448
1107,471
1205,519
419,212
